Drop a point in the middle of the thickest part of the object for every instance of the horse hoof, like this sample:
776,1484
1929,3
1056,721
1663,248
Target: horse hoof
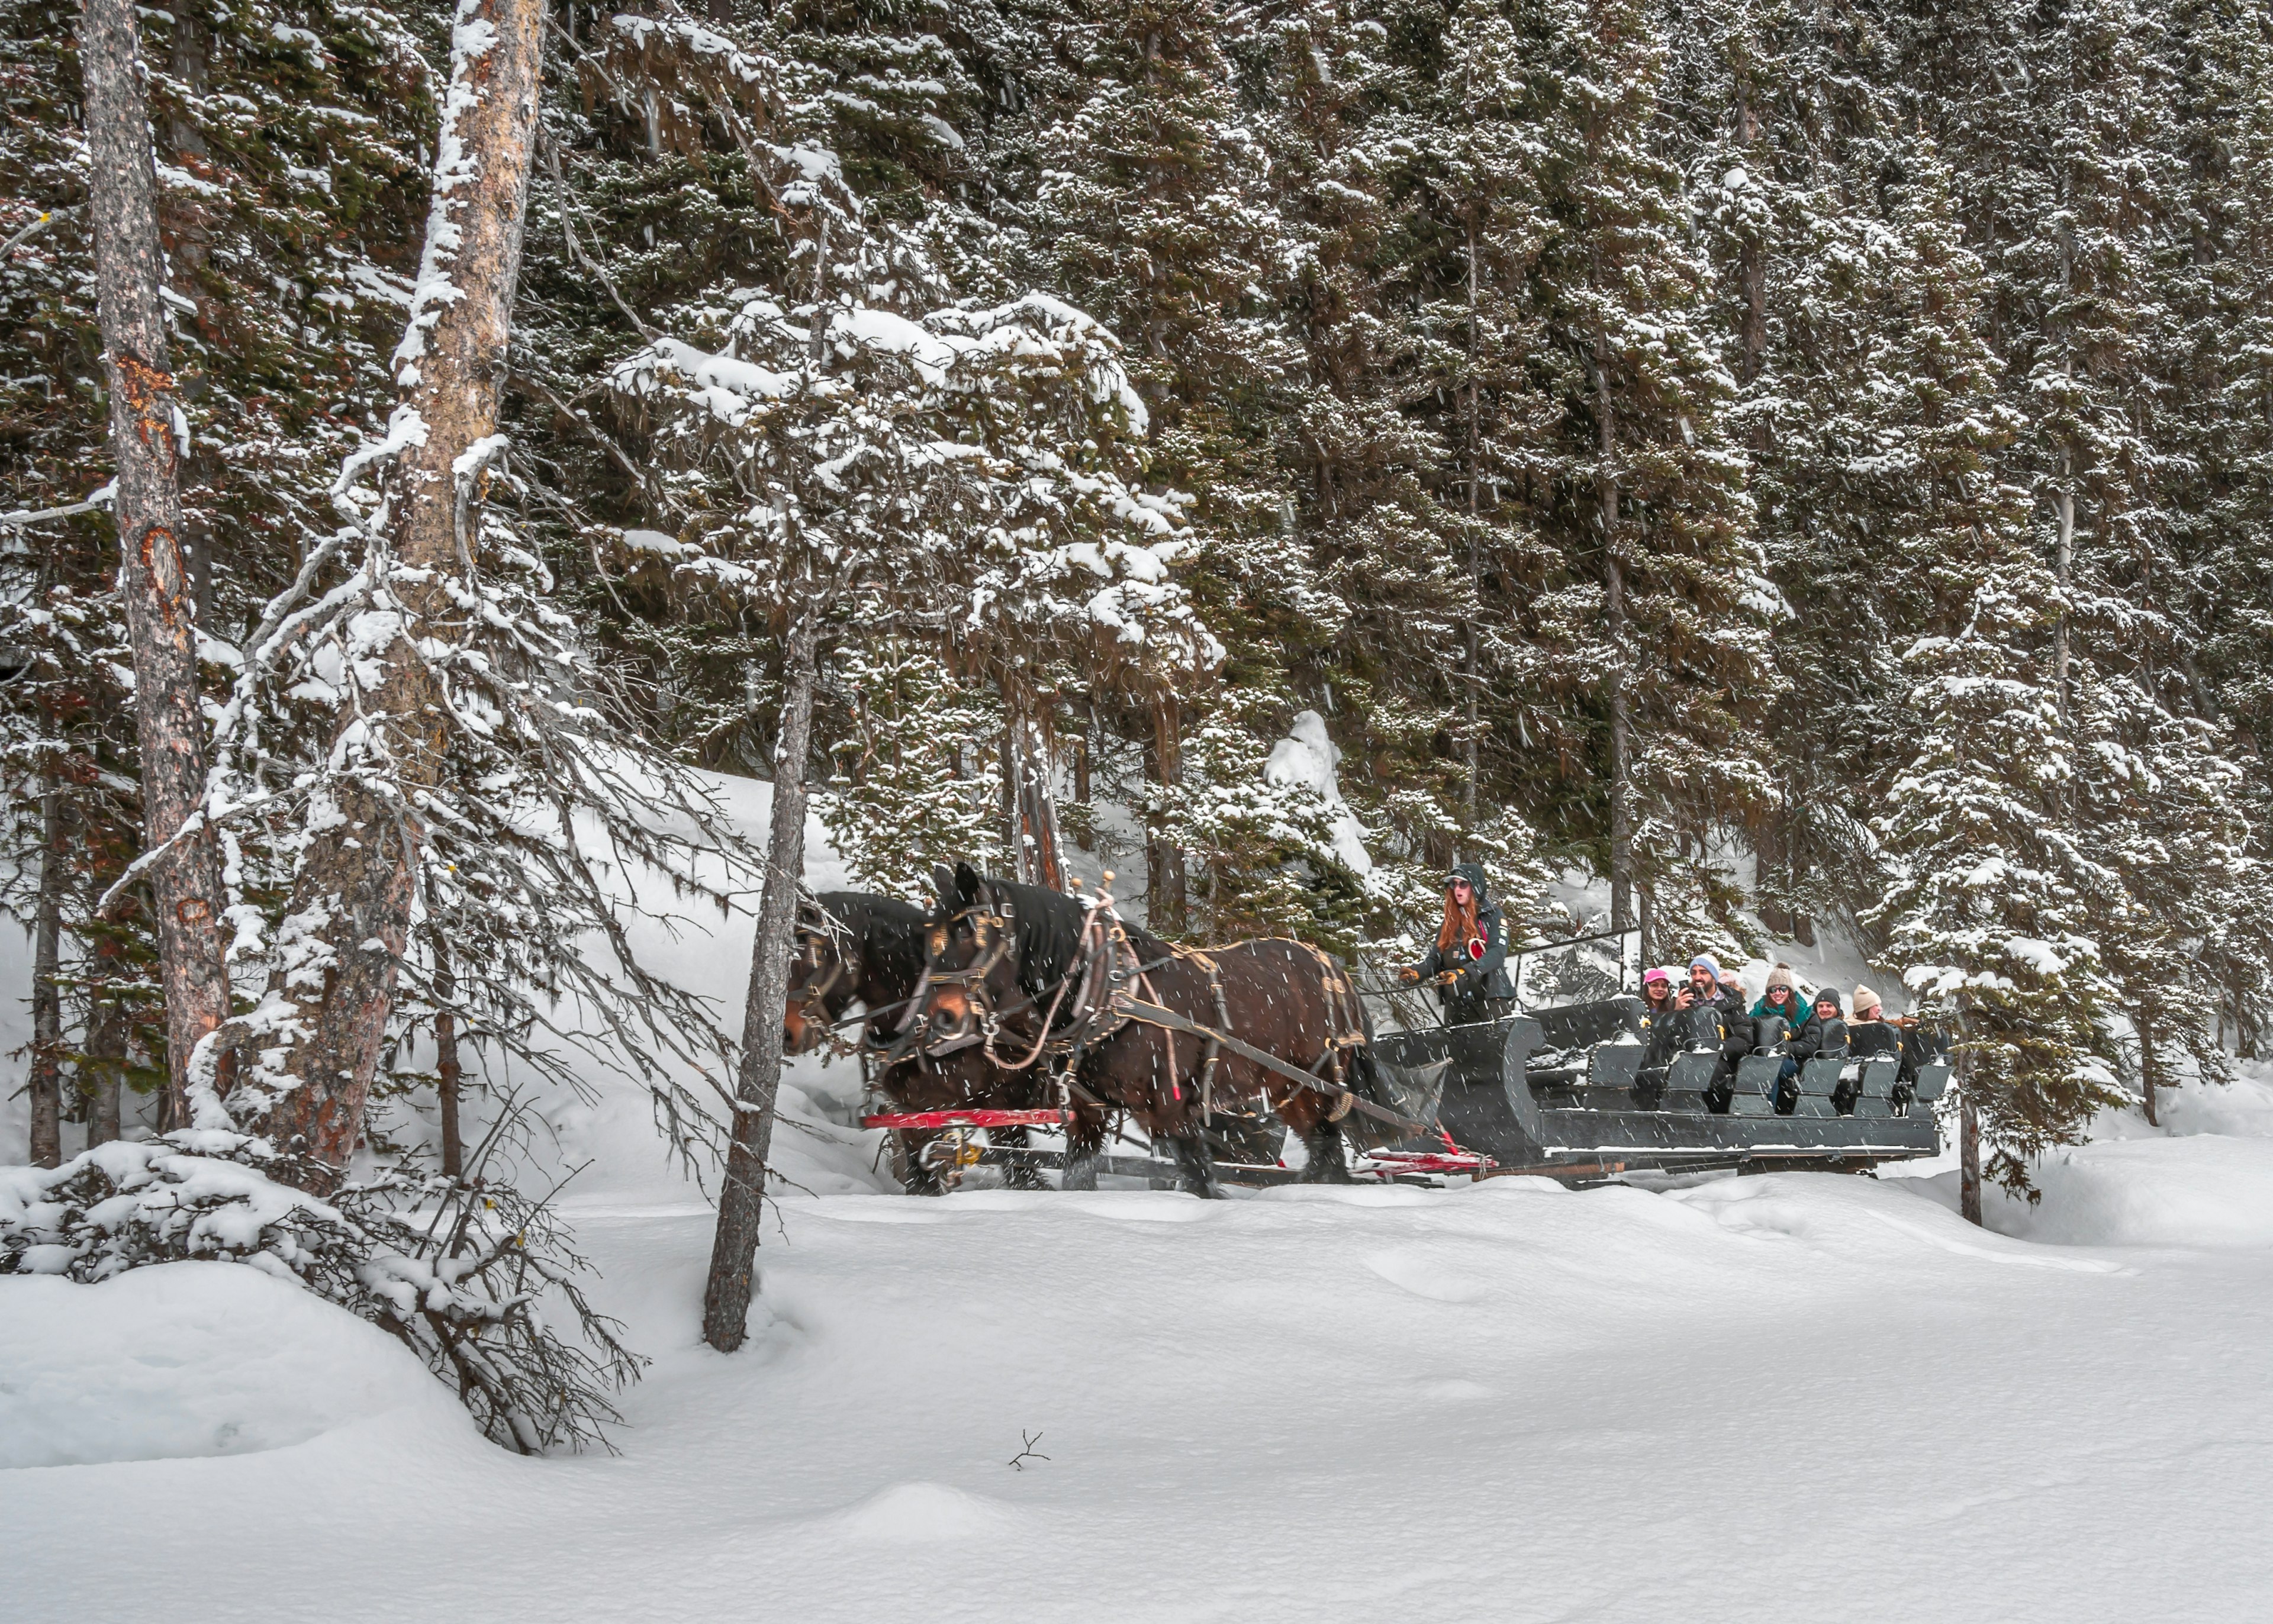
1080,1174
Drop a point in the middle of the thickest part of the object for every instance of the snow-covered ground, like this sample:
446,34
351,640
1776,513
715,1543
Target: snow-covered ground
1802,1396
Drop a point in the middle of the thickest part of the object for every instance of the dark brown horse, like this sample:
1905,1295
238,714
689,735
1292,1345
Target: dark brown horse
1022,974
853,947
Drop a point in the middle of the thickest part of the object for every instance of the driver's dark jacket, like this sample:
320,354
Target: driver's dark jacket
1484,978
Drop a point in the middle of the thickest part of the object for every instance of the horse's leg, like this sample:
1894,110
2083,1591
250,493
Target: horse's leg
1194,1166
917,1175
1329,1163
1305,1116
1018,1174
1085,1144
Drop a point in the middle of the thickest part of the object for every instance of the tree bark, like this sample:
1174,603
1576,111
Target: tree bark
448,1070
1752,273
148,430
1038,854
47,1080
2147,1068
1769,859
1471,677
1614,604
1165,906
103,1071
1085,835
2063,567
741,1200
356,883
1969,1155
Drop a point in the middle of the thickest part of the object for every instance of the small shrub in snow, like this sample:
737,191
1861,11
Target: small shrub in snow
456,1270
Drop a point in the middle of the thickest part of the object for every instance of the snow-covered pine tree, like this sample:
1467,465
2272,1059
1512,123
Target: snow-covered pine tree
2214,588
841,440
2153,795
1659,625
278,146
1151,210
917,778
1401,432
1785,128
1987,919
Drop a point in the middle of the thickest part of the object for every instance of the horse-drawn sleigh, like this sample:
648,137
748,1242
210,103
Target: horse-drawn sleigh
1010,1009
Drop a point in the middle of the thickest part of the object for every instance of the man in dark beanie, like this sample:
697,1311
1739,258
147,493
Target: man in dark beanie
1717,1021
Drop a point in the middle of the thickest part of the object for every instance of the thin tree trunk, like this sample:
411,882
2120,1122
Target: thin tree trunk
741,1200
1165,901
1038,848
103,1071
447,1069
1606,496
1969,1154
1471,677
2063,566
1769,859
1752,273
356,879
46,1079
2147,1068
148,436
1086,836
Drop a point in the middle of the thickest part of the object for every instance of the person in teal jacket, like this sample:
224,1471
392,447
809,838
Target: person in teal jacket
1784,999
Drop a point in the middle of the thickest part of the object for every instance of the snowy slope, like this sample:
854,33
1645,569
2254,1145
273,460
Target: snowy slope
1804,1397
1801,1397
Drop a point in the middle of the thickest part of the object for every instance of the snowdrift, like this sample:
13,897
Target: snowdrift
190,1360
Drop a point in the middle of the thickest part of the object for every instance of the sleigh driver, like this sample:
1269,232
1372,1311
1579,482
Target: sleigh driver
1468,964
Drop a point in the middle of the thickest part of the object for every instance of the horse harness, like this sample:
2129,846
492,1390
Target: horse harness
1109,977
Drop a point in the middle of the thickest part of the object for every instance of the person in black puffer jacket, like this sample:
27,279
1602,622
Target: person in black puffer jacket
1468,963
1717,1020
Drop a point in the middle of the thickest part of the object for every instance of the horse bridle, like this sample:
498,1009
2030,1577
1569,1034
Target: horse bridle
991,932
811,1001
1101,970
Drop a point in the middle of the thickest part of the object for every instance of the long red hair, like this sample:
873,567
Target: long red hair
1459,927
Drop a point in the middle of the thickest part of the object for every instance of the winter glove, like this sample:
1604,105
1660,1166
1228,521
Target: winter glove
1408,975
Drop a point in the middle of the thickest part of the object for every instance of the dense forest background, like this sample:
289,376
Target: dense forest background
1796,461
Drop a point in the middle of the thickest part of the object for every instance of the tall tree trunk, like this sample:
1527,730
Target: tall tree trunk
1770,860
103,1072
148,431
2063,567
190,250
1752,274
2148,1067
1614,602
1038,853
356,883
447,1069
1969,1153
1165,899
741,1200
1085,835
47,1080
1470,676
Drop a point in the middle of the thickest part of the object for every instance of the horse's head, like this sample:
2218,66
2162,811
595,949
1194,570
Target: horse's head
972,973
824,977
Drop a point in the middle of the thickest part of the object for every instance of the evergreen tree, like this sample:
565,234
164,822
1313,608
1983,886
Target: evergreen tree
1661,620
1987,918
